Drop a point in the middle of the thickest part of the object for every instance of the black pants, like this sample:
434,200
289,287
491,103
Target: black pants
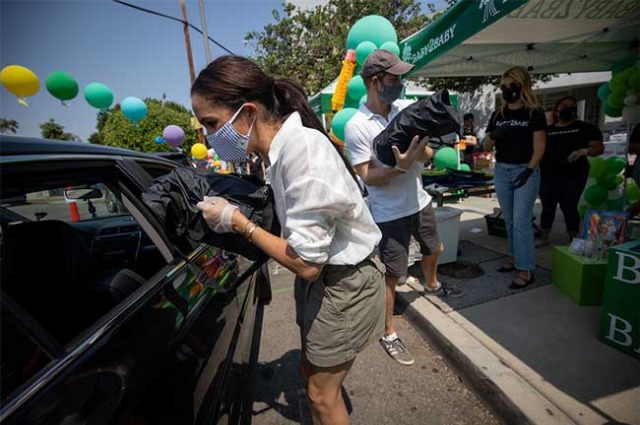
564,189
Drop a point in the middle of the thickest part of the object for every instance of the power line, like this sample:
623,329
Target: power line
173,19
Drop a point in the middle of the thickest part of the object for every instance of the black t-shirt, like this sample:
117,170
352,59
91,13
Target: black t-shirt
469,148
561,141
516,147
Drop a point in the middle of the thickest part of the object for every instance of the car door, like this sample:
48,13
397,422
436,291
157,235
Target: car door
161,350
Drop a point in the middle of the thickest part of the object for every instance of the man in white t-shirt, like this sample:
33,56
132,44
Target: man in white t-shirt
399,204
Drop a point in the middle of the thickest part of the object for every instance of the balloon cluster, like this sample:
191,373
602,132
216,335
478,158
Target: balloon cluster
23,83
366,35
447,157
620,96
213,161
604,187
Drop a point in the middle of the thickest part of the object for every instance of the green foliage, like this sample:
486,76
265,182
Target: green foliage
471,84
55,131
121,132
309,45
8,126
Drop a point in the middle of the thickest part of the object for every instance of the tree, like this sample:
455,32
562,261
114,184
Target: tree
53,130
117,130
8,126
309,45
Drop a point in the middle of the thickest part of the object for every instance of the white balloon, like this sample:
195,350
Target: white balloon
631,114
632,99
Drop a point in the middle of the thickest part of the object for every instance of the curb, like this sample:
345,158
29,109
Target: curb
507,394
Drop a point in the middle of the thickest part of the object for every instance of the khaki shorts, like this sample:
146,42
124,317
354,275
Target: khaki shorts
342,311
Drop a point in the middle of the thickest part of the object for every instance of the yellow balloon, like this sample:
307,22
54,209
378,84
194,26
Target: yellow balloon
199,151
19,80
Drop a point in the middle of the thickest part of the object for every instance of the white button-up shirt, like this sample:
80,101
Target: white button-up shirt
319,205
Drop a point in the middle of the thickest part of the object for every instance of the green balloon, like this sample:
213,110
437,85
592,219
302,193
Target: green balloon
616,99
98,95
340,120
374,28
392,47
363,50
623,64
633,192
61,85
614,204
362,100
582,209
634,80
597,166
595,195
356,88
611,112
446,157
465,167
607,181
615,164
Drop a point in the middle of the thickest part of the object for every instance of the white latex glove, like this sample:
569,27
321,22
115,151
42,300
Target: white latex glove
575,155
217,212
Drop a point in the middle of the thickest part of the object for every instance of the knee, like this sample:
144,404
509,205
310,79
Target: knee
319,399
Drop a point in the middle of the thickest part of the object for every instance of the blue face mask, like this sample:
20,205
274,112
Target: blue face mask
228,143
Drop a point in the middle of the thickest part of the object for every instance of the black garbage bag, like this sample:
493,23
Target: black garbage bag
431,116
173,198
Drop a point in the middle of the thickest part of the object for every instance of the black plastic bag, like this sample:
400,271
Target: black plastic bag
431,116
173,198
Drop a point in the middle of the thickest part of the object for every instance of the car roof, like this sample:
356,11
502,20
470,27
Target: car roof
19,145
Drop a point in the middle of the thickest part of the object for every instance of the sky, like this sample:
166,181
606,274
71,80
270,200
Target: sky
132,52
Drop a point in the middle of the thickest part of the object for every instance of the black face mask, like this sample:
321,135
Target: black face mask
567,114
511,94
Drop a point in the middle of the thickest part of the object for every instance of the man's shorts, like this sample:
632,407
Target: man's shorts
342,311
396,235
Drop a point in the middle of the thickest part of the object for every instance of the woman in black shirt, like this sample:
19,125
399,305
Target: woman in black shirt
517,131
564,168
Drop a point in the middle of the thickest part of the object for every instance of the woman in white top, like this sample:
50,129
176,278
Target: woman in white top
328,235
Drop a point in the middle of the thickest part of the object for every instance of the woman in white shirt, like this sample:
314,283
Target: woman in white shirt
328,235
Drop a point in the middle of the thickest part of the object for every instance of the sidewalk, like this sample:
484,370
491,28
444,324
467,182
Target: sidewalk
530,356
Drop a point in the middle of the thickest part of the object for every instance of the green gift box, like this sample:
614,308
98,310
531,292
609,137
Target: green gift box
578,277
620,314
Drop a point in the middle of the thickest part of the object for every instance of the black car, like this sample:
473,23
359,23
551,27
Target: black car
104,319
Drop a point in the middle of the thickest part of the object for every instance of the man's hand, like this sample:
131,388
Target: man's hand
217,212
575,155
405,160
522,178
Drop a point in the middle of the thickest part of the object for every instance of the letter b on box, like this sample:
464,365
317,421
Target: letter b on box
620,317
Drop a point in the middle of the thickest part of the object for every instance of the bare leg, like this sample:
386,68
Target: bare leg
429,265
390,285
325,394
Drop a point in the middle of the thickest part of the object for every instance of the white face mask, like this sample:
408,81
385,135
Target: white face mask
228,143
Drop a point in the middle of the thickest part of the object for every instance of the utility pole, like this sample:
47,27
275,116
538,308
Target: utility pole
192,73
205,33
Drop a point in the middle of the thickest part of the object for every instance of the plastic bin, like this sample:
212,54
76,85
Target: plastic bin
448,219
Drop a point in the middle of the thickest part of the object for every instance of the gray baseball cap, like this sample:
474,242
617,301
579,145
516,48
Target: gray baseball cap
384,61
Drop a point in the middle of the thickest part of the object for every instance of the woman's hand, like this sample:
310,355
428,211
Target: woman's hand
217,212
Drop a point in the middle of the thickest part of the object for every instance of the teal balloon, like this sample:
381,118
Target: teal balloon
374,28
622,64
391,46
356,88
465,167
62,85
98,95
607,181
340,120
351,103
133,108
446,157
595,195
611,112
362,100
597,166
615,164
363,50
604,91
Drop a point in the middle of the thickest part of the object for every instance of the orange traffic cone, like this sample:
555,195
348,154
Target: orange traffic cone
73,210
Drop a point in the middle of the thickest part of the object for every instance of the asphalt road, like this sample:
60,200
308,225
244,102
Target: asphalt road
378,390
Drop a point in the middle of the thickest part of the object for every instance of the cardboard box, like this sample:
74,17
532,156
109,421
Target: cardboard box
620,314
578,277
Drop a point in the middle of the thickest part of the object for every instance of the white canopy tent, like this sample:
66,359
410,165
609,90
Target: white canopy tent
486,37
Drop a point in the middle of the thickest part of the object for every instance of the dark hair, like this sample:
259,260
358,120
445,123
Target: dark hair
468,116
562,99
233,80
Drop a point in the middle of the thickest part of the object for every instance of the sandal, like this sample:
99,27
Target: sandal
509,267
516,285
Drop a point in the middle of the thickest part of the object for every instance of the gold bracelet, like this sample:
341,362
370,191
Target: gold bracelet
253,229
244,231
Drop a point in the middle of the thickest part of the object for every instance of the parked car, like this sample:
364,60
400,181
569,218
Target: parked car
104,319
